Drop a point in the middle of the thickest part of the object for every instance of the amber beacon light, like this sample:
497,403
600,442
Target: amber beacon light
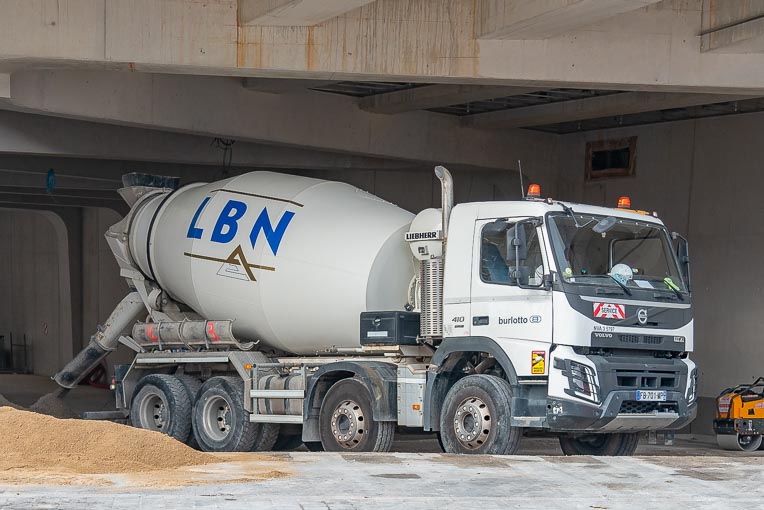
534,191
624,203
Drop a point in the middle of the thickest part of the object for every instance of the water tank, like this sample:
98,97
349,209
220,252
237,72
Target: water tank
292,260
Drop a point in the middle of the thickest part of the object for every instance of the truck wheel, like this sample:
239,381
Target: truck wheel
192,385
267,436
314,446
287,442
475,417
738,442
346,423
617,445
220,422
267,433
162,404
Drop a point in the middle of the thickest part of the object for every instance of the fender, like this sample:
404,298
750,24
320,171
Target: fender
434,394
381,379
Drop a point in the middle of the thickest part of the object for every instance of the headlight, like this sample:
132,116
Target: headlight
692,391
582,381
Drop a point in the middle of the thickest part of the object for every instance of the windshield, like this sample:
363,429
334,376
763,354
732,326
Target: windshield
614,251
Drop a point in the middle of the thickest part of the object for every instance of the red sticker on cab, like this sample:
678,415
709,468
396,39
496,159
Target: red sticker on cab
609,311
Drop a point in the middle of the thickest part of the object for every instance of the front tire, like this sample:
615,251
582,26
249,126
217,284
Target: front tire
475,417
346,423
220,422
613,445
162,404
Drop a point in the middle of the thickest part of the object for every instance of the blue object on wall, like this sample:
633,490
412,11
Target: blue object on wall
50,181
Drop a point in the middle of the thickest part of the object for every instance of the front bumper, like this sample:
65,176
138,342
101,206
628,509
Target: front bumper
567,416
613,405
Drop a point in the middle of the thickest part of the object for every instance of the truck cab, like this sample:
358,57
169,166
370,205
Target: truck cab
587,310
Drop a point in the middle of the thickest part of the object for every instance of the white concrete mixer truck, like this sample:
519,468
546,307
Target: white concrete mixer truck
270,310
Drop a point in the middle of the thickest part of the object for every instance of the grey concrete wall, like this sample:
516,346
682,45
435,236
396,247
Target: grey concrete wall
34,287
704,178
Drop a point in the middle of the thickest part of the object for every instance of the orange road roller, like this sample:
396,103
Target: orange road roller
739,422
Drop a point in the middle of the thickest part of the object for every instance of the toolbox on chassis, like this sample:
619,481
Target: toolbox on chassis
286,310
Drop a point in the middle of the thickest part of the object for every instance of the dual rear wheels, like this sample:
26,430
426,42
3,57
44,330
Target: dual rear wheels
209,416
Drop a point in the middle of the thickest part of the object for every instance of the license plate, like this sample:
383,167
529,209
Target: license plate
651,395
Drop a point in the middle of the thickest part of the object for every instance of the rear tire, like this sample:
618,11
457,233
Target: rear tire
475,417
267,433
314,446
220,422
287,442
346,423
613,445
162,404
192,385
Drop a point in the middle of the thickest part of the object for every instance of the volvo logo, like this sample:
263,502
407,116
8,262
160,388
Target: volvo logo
642,316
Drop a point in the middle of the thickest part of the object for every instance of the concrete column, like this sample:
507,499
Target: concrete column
294,12
5,85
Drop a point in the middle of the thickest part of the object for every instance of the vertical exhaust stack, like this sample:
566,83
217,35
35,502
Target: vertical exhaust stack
446,199
428,239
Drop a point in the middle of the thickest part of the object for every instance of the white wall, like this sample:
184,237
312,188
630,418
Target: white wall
705,179
34,287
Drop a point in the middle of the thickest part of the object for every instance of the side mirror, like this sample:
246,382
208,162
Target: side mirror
683,257
517,246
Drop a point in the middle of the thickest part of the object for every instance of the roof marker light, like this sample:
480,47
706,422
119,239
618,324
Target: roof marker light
624,202
534,191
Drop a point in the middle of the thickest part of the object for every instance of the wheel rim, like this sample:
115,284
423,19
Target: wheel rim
348,424
472,423
749,442
216,418
153,412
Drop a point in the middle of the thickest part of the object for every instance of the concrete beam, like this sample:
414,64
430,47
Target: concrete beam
592,108
294,12
544,19
434,96
24,133
744,37
283,86
654,48
221,107
5,86
11,197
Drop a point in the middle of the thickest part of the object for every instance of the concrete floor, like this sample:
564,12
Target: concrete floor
693,473
411,480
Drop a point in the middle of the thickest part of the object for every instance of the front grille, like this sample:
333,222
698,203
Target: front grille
628,379
639,407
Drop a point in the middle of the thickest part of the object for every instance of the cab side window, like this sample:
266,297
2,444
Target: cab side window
498,259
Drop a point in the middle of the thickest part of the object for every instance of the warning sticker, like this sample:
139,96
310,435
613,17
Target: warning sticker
609,311
538,362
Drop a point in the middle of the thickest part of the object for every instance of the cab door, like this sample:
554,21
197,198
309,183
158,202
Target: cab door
510,302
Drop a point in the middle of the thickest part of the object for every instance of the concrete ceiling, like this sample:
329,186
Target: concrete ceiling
560,110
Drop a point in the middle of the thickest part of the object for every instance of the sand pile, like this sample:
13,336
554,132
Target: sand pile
37,442
52,405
